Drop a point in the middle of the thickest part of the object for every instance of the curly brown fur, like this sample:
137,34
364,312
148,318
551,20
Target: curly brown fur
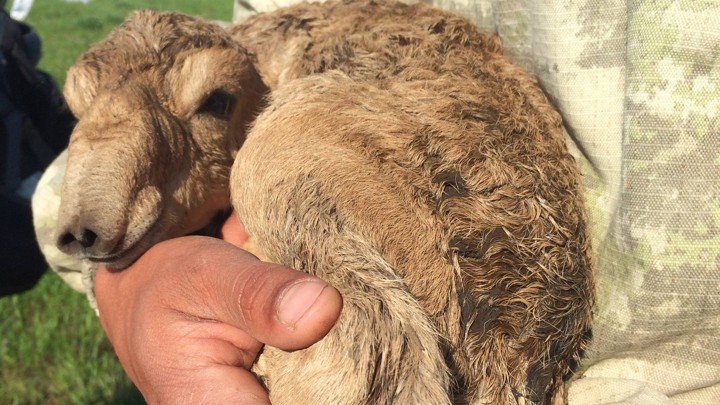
475,154
405,160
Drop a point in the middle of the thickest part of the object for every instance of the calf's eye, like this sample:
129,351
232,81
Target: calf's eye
219,104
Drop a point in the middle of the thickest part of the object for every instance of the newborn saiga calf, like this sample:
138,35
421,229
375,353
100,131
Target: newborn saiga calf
391,150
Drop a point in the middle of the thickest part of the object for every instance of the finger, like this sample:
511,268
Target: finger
233,231
227,385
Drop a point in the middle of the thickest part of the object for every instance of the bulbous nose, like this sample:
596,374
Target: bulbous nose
84,238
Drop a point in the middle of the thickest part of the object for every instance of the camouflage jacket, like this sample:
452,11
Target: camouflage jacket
638,85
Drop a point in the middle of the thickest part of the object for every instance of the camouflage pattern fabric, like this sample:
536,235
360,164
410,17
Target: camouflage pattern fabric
638,85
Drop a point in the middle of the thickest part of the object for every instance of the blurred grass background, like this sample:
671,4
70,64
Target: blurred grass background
52,347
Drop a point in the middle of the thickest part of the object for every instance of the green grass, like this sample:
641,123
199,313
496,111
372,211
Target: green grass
52,347
68,29
53,351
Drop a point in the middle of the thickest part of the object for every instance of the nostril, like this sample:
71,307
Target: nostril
88,238
66,239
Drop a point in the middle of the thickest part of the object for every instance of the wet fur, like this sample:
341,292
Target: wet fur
402,158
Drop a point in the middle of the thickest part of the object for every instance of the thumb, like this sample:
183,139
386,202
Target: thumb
274,304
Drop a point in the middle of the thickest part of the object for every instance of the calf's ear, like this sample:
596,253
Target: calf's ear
80,88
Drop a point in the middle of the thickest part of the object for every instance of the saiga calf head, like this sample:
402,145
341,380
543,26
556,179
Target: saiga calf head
163,104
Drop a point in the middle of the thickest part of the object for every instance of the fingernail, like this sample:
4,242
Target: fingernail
297,300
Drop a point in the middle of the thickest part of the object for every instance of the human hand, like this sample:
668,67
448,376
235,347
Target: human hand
188,319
